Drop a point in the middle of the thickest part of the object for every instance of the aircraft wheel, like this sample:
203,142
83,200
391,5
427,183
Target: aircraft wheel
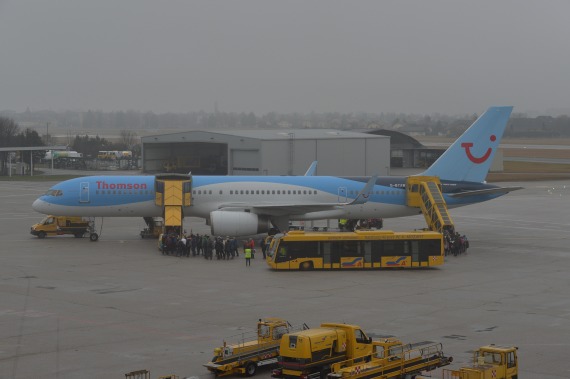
250,369
93,237
42,235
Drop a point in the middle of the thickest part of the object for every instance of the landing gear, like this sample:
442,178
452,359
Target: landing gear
93,236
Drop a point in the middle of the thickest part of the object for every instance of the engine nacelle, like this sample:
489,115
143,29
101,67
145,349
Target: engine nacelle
229,223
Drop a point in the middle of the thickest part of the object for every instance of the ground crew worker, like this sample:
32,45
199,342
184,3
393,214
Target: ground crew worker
247,254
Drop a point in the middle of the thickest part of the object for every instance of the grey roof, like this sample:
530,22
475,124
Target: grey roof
31,148
283,134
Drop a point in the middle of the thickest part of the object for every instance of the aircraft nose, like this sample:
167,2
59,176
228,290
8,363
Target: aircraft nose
40,206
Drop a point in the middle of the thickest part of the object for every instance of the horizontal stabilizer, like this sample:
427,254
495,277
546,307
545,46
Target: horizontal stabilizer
500,190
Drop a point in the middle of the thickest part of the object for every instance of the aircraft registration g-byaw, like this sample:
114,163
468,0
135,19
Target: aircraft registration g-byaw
246,205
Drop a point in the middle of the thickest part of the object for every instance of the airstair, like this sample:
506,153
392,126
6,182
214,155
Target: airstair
173,192
424,192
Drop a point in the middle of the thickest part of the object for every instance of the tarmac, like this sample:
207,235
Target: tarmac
71,308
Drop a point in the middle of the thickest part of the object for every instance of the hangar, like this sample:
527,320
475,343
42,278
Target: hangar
267,152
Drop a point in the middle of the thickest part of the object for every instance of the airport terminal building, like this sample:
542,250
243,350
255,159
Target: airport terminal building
267,152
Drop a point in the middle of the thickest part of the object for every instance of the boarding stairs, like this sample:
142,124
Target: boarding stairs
424,192
173,192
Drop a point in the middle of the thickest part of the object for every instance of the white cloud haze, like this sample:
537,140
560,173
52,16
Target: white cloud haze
285,56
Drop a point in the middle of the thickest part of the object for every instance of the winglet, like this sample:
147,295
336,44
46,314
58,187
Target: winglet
312,169
364,194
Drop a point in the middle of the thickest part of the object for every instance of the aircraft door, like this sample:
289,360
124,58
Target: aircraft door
84,192
342,195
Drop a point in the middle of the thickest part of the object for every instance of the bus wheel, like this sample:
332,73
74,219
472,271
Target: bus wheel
306,266
250,369
42,235
93,237
78,235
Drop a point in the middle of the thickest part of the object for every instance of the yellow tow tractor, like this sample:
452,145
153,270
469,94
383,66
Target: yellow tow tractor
489,362
251,351
393,359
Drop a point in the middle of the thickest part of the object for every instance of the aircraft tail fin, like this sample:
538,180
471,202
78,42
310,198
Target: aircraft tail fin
469,158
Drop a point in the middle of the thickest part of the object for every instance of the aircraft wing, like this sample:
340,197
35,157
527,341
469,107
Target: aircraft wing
489,191
280,209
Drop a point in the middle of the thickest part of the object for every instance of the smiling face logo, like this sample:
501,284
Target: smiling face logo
474,159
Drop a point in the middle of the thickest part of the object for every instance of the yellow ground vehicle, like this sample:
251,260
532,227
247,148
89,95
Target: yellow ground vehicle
299,250
59,225
311,353
251,352
489,362
392,359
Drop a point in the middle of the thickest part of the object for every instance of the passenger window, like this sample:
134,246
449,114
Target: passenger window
221,192
231,192
209,192
241,192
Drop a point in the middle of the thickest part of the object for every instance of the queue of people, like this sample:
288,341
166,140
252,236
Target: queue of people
207,246
454,243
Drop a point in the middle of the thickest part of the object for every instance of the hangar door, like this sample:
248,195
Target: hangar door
245,162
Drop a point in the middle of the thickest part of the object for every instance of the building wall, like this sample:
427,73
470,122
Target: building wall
276,157
250,156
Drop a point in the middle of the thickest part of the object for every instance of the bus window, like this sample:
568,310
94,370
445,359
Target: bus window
393,248
414,249
299,249
429,247
365,249
377,251
325,249
350,249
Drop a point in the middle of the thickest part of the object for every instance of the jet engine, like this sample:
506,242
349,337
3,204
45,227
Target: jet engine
230,223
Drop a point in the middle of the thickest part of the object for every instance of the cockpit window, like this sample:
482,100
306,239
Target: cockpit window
54,192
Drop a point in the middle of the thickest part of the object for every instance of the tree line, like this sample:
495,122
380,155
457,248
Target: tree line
12,136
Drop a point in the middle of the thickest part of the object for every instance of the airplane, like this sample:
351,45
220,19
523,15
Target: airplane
248,205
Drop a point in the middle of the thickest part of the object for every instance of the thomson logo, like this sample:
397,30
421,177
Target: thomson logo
101,184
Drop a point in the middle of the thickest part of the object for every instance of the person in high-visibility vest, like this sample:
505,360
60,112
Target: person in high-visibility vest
247,254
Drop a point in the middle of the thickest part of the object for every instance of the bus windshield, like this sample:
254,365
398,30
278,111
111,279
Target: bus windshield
273,245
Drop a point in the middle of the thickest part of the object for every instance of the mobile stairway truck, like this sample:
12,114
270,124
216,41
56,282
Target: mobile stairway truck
252,350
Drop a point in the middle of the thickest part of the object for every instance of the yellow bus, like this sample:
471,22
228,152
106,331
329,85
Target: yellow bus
297,250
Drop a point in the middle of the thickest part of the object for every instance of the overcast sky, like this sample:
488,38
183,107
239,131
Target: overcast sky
286,56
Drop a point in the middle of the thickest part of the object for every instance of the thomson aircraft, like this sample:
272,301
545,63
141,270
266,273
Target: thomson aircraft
246,205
